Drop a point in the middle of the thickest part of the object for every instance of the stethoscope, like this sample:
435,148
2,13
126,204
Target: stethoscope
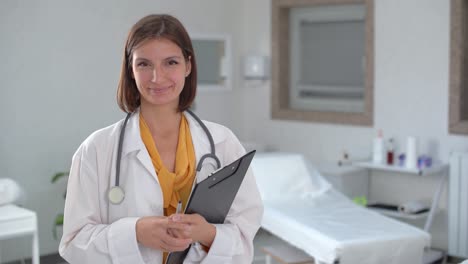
116,194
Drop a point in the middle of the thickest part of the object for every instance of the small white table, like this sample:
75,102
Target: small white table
15,222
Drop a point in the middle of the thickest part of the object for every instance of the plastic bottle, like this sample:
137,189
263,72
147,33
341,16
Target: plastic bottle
390,152
411,153
378,148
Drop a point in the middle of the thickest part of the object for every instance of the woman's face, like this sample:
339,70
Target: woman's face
159,69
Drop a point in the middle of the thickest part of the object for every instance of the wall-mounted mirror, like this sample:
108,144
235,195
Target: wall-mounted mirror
458,98
213,53
322,58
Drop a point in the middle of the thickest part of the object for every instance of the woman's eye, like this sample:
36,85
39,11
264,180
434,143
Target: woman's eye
173,62
142,64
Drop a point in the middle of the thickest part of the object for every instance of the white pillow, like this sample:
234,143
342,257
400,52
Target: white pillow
286,176
10,191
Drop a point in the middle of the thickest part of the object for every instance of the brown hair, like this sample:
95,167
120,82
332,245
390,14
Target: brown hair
151,27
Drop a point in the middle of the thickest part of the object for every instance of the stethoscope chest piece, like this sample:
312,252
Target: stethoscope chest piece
116,195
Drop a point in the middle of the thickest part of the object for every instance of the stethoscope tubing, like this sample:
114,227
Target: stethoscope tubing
119,150
212,153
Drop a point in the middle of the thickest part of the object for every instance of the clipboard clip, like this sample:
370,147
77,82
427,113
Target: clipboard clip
223,173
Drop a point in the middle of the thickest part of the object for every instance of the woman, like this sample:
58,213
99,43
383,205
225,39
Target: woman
162,145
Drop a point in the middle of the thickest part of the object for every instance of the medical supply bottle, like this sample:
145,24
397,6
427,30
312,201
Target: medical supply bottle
378,148
390,152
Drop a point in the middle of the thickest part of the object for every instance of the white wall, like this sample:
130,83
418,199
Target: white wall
411,97
58,79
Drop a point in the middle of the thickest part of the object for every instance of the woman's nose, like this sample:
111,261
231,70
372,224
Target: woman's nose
154,75
157,74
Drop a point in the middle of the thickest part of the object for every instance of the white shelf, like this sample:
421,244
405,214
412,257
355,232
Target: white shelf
399,214
435,168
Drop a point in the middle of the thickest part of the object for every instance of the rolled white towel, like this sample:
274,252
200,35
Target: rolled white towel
413,207
10,191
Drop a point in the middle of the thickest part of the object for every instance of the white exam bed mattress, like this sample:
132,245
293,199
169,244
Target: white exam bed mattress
312,216
331,230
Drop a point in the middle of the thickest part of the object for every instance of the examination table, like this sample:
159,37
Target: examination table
303,209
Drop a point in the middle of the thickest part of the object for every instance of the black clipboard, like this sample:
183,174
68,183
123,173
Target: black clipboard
212,198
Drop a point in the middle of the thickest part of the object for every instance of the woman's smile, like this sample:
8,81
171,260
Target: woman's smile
160,90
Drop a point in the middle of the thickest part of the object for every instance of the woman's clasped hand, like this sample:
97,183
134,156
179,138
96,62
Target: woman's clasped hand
174,233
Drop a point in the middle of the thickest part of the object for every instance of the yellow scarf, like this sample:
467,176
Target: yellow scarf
175,186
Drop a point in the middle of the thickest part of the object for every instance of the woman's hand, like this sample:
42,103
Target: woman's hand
200,230
153,232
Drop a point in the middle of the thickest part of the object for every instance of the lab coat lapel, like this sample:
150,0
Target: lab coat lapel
133,142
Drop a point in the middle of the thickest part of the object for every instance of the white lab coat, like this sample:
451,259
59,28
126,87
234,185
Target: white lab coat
96,231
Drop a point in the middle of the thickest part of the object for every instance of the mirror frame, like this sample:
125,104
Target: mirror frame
280,106
227,86
458,88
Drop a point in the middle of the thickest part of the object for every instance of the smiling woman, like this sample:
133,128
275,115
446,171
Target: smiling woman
128,179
